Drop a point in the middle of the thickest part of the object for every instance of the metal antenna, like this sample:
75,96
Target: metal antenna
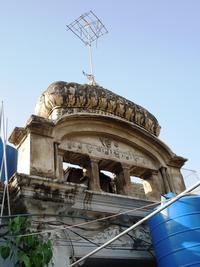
88,28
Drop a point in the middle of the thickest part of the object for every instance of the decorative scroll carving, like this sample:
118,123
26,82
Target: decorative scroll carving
139,238
72,98
106,142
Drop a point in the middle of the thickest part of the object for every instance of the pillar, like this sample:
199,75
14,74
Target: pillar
123,182
166,180
93,171
58,162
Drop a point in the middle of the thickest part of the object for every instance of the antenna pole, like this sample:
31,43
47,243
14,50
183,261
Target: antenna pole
90,76
90,59
88,28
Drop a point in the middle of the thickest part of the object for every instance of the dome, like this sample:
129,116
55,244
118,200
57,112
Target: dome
62,98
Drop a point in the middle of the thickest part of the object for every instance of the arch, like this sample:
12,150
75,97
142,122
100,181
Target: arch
124,131
103,139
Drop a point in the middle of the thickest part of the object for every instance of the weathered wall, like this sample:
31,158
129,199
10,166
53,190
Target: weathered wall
56,206
24,156
42,156
110,142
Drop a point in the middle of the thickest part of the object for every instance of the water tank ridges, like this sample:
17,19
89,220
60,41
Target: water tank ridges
176,233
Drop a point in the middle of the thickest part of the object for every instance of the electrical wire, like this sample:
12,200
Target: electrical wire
71,245
92,221
147,217
55,223
79,224
96,220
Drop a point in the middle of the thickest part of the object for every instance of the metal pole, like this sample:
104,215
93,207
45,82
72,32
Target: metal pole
90,59
4,160
6,167
2,204
138,223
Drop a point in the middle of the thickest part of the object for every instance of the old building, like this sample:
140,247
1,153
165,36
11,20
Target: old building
78,135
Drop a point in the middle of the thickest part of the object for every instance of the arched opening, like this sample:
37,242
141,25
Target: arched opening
107,181
75,168
107,175
72,173
137,186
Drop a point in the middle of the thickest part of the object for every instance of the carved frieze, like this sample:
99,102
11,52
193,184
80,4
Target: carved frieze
106,147
137,239
66,98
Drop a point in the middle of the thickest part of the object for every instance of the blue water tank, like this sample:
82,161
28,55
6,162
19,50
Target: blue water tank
175,233
11,155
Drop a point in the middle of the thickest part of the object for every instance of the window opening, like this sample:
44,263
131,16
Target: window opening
107,181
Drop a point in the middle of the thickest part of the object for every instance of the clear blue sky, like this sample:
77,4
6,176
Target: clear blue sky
151,56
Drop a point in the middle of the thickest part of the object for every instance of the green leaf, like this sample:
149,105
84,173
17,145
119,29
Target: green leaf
20,255
5,252
17,240
49,243
17,220
29,250
28,223
14,225
37,259
26,261
30,240
47,253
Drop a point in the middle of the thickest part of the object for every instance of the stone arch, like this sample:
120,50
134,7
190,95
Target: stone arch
146,160
111,138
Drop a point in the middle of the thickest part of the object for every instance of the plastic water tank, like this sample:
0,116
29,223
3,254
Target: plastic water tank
175,233
11,154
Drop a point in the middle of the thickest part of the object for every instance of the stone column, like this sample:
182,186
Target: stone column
152,186
166,180
119,181
176,179
58,162
60,172
123,182
93,171
127,179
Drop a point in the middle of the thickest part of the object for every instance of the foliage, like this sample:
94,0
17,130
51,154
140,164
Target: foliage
23,246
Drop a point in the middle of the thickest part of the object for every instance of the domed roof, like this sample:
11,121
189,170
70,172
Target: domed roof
62,98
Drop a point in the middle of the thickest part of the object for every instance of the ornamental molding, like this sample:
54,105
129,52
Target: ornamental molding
62,98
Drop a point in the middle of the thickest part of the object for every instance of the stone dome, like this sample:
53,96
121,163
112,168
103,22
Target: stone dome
62,98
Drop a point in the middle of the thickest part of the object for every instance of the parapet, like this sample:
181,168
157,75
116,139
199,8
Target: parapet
62,98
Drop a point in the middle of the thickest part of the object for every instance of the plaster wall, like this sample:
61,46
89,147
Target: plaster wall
23,163
42,156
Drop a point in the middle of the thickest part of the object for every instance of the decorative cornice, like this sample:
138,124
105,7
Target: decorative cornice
62,98
35,124
177,161
17,135
45,189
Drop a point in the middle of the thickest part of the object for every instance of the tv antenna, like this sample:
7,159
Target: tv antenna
88,28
